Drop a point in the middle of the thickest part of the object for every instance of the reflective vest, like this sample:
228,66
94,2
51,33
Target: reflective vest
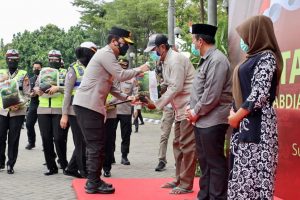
62,76
57,101
79,71
19,77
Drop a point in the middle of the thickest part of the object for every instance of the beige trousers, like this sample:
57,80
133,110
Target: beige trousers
184,147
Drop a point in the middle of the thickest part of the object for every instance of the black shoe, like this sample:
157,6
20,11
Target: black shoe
161,166
142,123
125,161
29,146
107,174
100,188
101,181
51,172
72,173
136,131
10,169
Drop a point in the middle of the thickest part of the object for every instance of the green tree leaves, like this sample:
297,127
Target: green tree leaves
35,45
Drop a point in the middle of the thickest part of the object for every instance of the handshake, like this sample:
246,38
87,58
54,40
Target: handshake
144,100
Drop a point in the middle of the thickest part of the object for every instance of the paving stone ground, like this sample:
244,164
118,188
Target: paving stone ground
29,183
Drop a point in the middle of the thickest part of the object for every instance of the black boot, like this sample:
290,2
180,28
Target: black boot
101,188
125,161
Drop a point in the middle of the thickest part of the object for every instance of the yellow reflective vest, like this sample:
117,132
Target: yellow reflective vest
19,77
57,101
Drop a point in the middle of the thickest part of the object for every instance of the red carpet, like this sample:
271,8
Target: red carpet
135,189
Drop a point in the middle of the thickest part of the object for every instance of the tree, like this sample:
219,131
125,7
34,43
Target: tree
140,17
2,52
35,45
92,13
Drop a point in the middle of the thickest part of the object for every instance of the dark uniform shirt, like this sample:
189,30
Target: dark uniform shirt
34,101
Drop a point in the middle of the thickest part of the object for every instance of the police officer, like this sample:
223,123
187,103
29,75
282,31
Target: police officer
49,115
31,117
90,98
11,119
73,79
124,113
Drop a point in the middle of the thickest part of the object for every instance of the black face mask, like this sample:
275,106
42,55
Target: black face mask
36,72
123,49
12,64
55,65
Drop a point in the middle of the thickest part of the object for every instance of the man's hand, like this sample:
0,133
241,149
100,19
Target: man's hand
64,121
150,104
38,91
131,98
144,68
52,90
14,108
190,115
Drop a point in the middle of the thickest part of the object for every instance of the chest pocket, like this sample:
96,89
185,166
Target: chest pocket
127,88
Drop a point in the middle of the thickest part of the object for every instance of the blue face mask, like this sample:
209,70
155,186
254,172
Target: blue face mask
153,56
244,46
195,51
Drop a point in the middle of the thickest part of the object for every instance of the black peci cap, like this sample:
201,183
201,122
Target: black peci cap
121,33
204,29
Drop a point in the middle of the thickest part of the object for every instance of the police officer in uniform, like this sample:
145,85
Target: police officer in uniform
11,119
84,53
31,117
49,115
90,99
124,113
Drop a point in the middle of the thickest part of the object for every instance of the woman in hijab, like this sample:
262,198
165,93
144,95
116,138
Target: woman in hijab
254,142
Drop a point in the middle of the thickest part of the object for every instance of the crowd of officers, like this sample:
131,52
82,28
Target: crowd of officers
81,100
52,109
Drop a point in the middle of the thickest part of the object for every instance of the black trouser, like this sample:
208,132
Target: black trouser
10,126
52,133
136,123
31,119
139,111
212,161
92,127
110,128
125,121
78,159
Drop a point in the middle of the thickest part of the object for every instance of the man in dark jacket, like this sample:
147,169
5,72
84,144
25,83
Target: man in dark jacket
32,109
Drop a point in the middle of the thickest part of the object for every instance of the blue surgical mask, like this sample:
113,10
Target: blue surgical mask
244,46
195,51
153,56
